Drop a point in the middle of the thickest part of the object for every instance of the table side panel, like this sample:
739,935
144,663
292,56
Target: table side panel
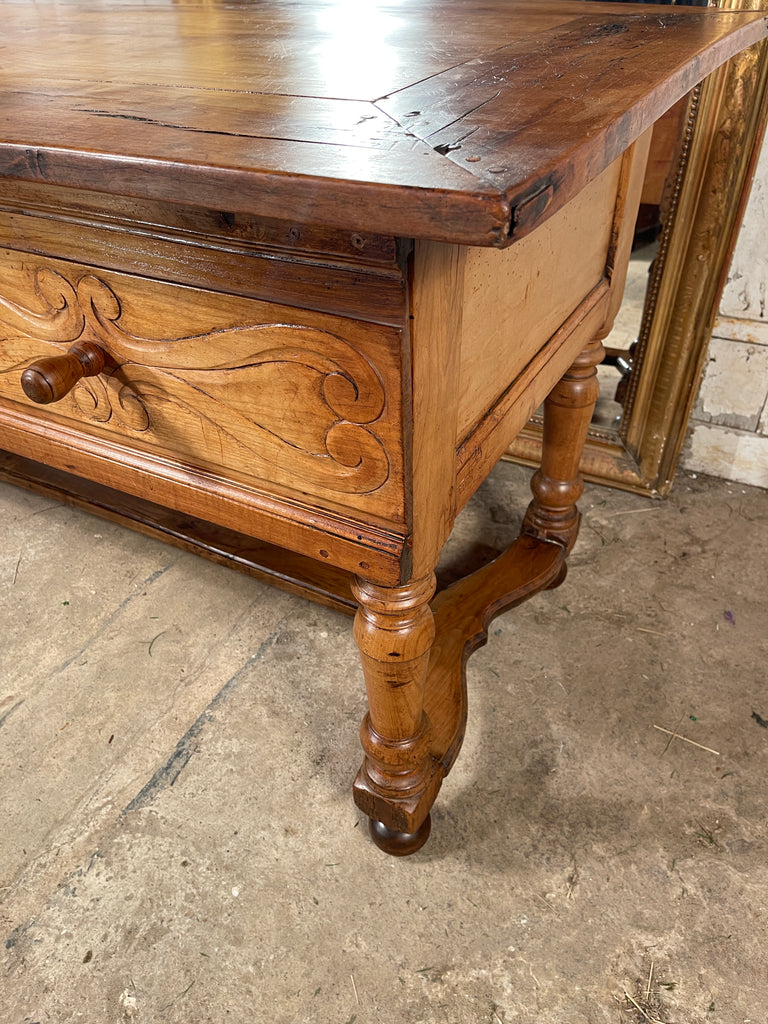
604,220
515,300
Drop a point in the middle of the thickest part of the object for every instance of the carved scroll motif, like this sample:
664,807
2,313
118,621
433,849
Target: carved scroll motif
61,319
282,396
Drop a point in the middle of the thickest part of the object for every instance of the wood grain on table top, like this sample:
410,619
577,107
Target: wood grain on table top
456,120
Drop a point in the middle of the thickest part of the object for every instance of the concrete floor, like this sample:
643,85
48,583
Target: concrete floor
177,743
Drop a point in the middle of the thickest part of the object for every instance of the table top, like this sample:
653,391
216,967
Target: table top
458,120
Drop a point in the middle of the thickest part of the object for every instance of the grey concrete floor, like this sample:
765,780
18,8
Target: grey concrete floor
177,743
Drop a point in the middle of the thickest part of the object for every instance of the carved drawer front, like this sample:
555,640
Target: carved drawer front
258,393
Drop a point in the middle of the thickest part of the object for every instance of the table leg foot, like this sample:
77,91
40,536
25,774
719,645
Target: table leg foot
399,844
418,704
399,778
560,578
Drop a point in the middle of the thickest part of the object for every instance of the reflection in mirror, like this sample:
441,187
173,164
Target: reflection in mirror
624,351
656,203
615,373
623,357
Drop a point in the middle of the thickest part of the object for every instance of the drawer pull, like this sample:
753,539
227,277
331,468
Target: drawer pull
50,379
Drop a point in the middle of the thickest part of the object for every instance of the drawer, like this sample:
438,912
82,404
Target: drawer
267,397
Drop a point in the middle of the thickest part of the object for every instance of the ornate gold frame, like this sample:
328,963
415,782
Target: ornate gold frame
725,126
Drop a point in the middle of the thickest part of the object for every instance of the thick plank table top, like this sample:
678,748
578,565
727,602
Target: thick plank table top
459,120
280,281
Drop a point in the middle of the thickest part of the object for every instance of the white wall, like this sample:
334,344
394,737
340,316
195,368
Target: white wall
728,435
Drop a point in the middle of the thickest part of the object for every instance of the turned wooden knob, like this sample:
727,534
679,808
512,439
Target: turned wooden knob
50,379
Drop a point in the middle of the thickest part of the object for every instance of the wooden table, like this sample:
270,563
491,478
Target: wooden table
281,281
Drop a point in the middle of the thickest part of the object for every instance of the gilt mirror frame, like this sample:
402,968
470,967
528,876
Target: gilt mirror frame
724,127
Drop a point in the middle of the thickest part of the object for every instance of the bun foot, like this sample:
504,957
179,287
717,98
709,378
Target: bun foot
399,844
560,578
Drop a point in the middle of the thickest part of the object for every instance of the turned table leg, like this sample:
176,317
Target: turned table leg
409,750
557,484
399,779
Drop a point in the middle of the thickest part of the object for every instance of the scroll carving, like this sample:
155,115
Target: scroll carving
262,397
60,319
